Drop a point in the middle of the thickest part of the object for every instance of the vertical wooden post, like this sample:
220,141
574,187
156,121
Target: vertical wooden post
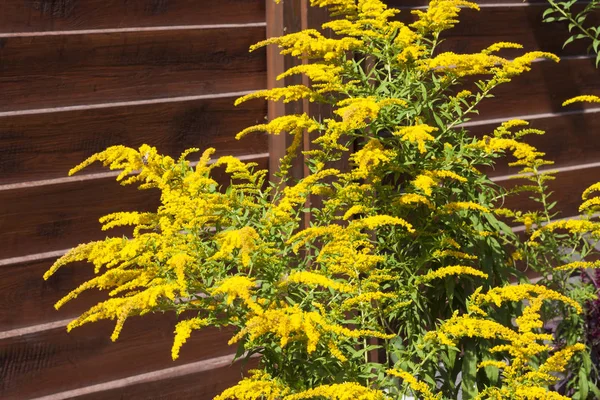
287,17
282,18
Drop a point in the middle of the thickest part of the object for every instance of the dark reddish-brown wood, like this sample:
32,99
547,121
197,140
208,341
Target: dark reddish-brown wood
52,361
571,138
44,218
67,70
479,29
57,15
26,299
43,146
566,188
198,386
543,89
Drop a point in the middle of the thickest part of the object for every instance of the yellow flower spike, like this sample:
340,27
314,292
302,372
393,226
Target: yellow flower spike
424,183
559,360
440,15
515,293
259,386
315,279
579,264
286,94
593,188
502,45
582,99
286,123
416,385
418,134
310,43
453,253
571,225
413,198
462,65
465,205
340,391
183,331
379,220
245,240
370,157
451,271
238,287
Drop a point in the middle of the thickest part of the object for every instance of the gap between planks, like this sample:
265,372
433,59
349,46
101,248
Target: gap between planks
132,30
103,175
167,373
86,107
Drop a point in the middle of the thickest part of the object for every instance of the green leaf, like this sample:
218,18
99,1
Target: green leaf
469,372
583,384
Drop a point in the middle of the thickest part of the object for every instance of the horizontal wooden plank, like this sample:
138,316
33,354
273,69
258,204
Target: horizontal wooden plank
479,29
27,300
543,89
52,361
203,385
52,15
566,188
43,218
45,146
53,71
571,138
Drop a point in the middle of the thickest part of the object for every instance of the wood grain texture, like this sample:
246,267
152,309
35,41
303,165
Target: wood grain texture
45,146
203,385
57,361
66,70
571,138
27,300
566,188
543,89
56,15
45,218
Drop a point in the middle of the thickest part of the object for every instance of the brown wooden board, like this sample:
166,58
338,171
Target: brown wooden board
44,146
543,89
479,29
513,22
26,299
67,70
566,188
53,361
203,385
571,138
58,15
44,218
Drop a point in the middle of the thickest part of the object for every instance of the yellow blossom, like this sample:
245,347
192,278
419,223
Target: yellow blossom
583,98
451,270
418,134
183,330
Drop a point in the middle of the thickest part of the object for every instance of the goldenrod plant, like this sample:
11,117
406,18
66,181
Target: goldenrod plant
404,283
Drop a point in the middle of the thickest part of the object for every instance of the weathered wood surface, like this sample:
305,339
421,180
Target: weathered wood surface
43,218
202,385
566,191
27,300
571,137
47,145
67,70
59,15
53,360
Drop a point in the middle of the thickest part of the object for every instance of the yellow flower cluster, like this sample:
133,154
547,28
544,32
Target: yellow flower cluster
418,134
415,385
451,271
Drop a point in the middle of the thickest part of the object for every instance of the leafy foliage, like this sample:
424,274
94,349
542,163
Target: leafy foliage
407,255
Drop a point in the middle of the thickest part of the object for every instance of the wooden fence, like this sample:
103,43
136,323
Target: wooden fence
76,77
